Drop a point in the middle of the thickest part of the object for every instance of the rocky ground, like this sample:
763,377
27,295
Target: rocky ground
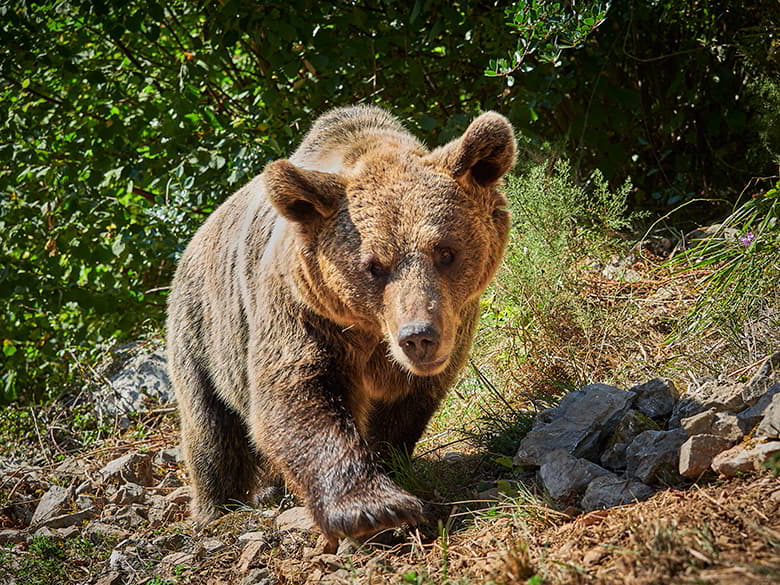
610,486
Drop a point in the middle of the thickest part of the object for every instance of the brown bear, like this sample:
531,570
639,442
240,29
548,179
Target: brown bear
320,314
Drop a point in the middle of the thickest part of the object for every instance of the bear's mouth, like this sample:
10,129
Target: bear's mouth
429,368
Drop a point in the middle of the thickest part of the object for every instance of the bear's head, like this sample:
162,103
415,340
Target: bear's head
397,244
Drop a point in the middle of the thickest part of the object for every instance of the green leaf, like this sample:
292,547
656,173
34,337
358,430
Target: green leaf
9,348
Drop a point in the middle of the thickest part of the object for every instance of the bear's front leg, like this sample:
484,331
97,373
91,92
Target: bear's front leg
303,425
399,425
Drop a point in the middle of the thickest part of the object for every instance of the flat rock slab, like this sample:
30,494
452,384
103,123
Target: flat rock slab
580,423
712,422
565,477
253,556
769,427
654,456
177,559
130,493
744,458
297,518
11,536
132,467
51,504
103,530
67,520
717,394
656,398
608,491
750,417
697,453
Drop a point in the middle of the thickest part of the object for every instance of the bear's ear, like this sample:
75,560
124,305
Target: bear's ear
486,151
302,195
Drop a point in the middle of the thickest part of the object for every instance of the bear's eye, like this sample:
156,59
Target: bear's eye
444,256
376,270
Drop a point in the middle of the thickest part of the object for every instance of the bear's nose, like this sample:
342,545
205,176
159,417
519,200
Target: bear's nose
419,340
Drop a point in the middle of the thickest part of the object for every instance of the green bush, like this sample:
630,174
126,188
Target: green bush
556,223
125,123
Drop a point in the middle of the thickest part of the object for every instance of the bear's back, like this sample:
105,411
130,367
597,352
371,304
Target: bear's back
343,134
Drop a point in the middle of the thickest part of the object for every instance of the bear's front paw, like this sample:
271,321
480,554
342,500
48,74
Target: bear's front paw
367,509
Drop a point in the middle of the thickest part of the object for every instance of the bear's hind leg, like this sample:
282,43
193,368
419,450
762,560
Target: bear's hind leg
222,464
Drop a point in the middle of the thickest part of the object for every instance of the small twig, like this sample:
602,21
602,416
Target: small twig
38,434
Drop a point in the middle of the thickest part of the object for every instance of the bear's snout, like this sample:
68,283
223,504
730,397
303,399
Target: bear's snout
420,341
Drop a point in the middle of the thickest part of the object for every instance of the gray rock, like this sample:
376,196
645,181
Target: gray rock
211,546
66,520
169,480
620,269
708,393
697,453
545,417
608,491
132,467
71,468
744,458
565,477
118,561
130,493
769,427
159,516
295,519
726,426
142,382
632,424
700,423
252,557
250,536
83,488
259,576
100,530
712,422
68,531
176,559
87,502
169,541
768,375
658,245
583,420
10,536
131,517
43,531
51,504
172,455
656,398
714,231
750,417
653,457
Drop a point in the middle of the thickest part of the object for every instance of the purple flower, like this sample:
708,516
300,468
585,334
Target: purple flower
747,239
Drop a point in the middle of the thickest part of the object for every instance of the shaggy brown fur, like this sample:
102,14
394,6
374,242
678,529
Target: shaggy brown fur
321,313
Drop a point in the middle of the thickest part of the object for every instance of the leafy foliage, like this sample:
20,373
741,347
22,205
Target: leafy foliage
125,123
683,98
545,30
